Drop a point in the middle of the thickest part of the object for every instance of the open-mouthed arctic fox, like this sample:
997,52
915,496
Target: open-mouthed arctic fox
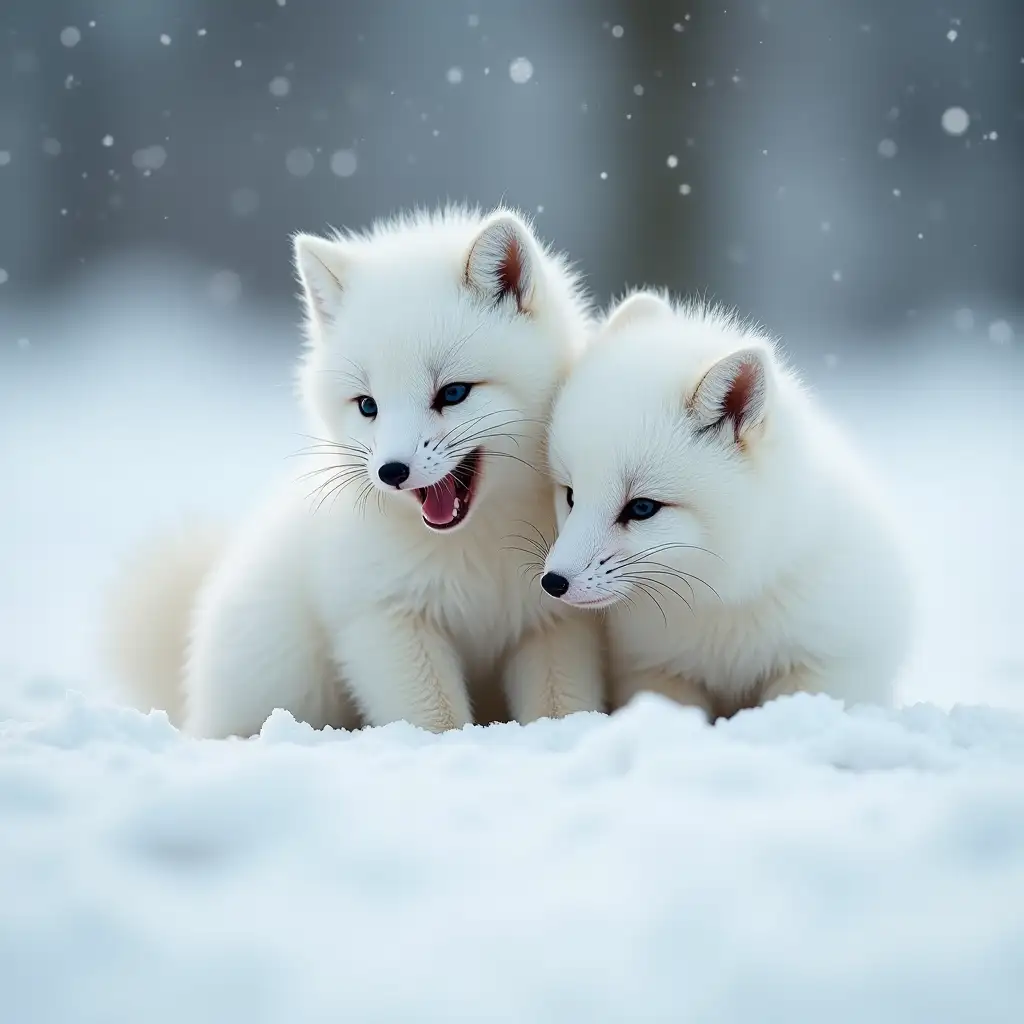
396,589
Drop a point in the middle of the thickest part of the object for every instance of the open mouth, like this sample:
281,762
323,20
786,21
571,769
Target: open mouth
446,504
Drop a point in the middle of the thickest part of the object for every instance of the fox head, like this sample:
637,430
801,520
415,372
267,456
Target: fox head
436,344
665,445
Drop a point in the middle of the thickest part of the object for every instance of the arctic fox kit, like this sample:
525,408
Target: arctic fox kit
436,343
718,515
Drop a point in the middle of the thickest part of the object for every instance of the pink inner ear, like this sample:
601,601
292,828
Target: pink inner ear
510,271
738,397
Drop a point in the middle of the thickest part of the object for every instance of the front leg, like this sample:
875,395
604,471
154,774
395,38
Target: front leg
557,669
626,685
399,667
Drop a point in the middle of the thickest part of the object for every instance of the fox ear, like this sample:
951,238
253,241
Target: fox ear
634,308
320,265
502,262
735,389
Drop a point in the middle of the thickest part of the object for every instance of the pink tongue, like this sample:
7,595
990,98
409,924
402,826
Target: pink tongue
439,504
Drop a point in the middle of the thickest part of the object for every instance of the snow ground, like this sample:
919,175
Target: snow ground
798,863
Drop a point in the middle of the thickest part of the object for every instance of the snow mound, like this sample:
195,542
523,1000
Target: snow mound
798,863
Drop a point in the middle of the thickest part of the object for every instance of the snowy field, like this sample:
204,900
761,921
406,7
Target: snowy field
797,863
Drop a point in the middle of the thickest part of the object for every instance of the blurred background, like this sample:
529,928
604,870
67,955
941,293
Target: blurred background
846,171
836,161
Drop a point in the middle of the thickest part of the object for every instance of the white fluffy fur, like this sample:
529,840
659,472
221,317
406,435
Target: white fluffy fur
337,602
770,569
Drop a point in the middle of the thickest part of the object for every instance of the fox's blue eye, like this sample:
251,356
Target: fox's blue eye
452,394
367,406
639,508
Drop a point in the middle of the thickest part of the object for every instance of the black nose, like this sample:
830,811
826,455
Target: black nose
554,584
394,474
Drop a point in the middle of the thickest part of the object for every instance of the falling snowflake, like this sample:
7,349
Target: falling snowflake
1000,332
299,162
604,175
955,121
344,163
638,90
4,276
618,31
685,190
5,157
165,39
454,76
951,35
150,158
887,148
51,147
672,161
280,86
520,70
107,140
70,36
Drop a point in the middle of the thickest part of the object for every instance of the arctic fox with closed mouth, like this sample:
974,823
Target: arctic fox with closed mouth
388,582
706,501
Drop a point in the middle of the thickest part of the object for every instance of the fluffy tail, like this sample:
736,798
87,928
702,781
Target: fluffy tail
148,619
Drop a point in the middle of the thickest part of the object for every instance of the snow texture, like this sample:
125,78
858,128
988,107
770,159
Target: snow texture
798,863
